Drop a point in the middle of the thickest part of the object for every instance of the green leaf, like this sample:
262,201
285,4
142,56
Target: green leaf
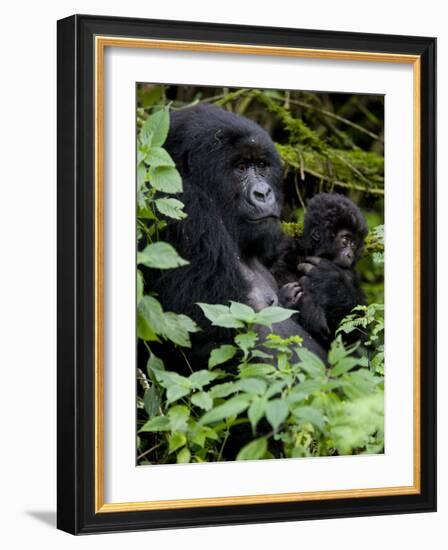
202,400
160,255
253,450
201,378
347,364
177,328
176,392
276,412
176,440
144,330
213,311
232,407
157,424
246,341
184,456
152,401
310,363
165,178
171,208
179,415
221,355
254,386
273,314
157,125
151,314
154,364
223,390
310,415
227,321
157,156
242,312
256,369
140,285
256,411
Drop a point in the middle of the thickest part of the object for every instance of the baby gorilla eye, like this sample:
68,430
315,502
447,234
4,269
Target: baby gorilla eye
261,164
241,166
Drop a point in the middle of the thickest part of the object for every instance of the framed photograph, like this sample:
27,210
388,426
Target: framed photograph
246,274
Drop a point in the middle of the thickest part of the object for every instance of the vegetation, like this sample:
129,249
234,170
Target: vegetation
287,407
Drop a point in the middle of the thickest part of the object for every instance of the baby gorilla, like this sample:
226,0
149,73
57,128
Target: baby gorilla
333,240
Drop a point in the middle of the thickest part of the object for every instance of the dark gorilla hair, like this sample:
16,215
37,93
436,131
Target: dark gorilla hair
232,193
317,271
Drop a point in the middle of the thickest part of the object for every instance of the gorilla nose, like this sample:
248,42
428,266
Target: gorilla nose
261,194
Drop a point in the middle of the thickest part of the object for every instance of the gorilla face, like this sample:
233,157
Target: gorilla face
236,164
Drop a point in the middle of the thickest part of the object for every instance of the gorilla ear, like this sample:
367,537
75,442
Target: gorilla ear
315,234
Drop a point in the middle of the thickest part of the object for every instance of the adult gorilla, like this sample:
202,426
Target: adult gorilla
232,193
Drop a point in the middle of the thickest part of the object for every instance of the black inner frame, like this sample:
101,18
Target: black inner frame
76,262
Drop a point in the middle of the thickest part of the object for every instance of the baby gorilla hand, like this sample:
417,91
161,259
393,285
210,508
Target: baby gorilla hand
290,294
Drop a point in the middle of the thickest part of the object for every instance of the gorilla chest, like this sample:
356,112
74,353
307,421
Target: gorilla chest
262,288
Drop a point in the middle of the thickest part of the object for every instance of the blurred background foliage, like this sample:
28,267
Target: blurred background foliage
327,142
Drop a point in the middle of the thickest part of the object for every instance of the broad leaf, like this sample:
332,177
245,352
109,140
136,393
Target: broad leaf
171,208
276,412
221,355
274,314
157,125
165,178
160,255
253,450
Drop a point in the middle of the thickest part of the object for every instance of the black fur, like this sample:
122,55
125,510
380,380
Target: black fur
308,271
232,178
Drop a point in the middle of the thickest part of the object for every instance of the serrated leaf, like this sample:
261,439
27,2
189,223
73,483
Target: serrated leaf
160,255
177,328
274,314
232,407
213,311
157,424
253,450
223,390
171,208
256,411
242,312
221,355
165,178
310,363
227,321
149,318
179,415
276,412
201,378
158,156
246,341
176,392
202,400
253,386
157,125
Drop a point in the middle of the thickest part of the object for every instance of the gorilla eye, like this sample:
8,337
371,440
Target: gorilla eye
262,164
344,241
241,166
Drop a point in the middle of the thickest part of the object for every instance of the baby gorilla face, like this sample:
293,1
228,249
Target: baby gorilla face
344,248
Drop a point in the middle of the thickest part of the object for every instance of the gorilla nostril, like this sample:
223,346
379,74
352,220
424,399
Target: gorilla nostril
259,196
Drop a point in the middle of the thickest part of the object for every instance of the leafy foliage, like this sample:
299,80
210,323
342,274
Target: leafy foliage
294,405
